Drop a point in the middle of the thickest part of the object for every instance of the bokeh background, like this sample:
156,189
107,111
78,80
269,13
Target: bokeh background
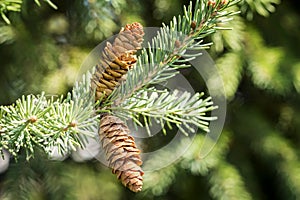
258,154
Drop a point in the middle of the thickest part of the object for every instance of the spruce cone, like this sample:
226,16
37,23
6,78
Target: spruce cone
121,152
117,59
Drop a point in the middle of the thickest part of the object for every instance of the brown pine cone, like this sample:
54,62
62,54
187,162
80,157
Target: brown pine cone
121,152
116,60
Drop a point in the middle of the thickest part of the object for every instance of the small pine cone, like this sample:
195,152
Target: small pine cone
116,60
121,152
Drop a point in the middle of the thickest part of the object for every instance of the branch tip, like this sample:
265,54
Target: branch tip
73,124
32,119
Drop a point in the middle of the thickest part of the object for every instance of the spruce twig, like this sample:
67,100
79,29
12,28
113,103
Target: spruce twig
180,108
35,121
168,50
121,151
129,97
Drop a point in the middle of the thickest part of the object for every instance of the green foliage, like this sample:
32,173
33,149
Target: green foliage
227,183
259,63
98,19
266,70
228,49
271,148
15,6
102,24
230,67
276,152
35,122
6,34
9,5
181,109
262,7
39,179
157,64
199,165
91,182
170,50
17,124
158,182
16,81
232,39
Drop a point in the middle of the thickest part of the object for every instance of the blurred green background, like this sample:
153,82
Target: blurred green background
258,154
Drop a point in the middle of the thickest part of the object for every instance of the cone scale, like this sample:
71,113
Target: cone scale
116,59
121,152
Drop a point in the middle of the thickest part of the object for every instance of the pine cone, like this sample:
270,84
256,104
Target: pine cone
116,60
121,152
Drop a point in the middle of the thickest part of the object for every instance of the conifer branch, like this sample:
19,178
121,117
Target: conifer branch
37,122
171,49
180,108
174,45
